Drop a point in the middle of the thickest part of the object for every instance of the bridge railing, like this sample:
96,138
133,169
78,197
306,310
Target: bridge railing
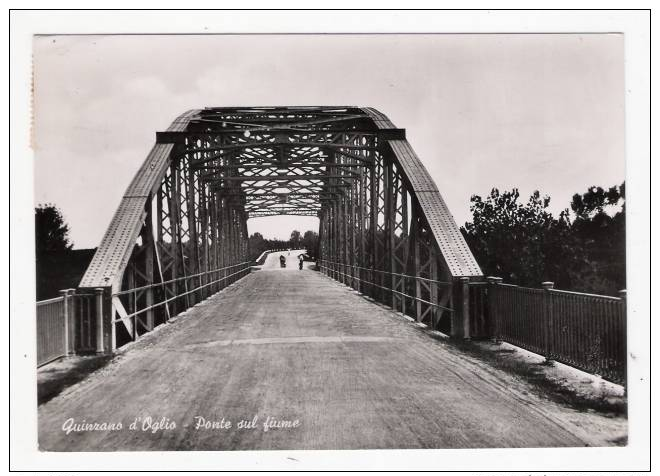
52,330
194,288
586,331
65,325
376,283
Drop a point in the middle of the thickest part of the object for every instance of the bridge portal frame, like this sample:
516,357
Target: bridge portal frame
180,231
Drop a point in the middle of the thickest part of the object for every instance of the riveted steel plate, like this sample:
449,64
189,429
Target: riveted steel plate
115,249
181,123
380,120
117,244
454,249
417,175
151,171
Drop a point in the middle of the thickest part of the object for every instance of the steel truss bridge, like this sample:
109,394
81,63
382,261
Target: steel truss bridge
180,231
296,345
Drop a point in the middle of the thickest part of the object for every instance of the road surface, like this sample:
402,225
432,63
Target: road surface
273,260
300,351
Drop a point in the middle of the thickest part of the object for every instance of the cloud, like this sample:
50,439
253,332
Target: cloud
535,111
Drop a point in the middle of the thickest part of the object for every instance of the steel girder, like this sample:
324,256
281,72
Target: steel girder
384,227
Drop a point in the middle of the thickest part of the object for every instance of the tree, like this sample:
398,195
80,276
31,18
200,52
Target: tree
256,245
295,239
594,201
51,231
525,244
511,239
310,242
598,244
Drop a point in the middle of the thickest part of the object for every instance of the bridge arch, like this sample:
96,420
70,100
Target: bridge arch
180,231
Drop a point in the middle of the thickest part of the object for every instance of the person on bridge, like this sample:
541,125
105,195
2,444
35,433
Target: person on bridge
282,261
300,261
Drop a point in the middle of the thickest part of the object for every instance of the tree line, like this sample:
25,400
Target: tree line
257,244
583,249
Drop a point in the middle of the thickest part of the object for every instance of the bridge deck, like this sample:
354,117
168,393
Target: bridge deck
296,345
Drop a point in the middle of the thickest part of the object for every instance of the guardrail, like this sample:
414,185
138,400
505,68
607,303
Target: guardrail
206,283
65,325
73,322
52,330
586,331
370,281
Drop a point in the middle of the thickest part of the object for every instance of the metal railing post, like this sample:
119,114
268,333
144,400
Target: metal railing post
98,292
113,325
65,311
623,294
492,314
548,316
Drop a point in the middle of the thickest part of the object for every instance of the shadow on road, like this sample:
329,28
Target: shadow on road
57,376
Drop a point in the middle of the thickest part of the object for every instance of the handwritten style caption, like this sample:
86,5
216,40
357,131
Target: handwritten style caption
162,424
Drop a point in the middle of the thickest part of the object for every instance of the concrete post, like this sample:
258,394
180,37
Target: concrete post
492,310
460,326
99,319
548,315
465,283
65,309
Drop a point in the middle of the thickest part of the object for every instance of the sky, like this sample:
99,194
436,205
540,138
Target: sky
536,112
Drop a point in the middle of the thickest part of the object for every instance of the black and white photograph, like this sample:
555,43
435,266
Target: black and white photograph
249,240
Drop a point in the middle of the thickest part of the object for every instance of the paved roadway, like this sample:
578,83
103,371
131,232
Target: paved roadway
273,260
295,345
